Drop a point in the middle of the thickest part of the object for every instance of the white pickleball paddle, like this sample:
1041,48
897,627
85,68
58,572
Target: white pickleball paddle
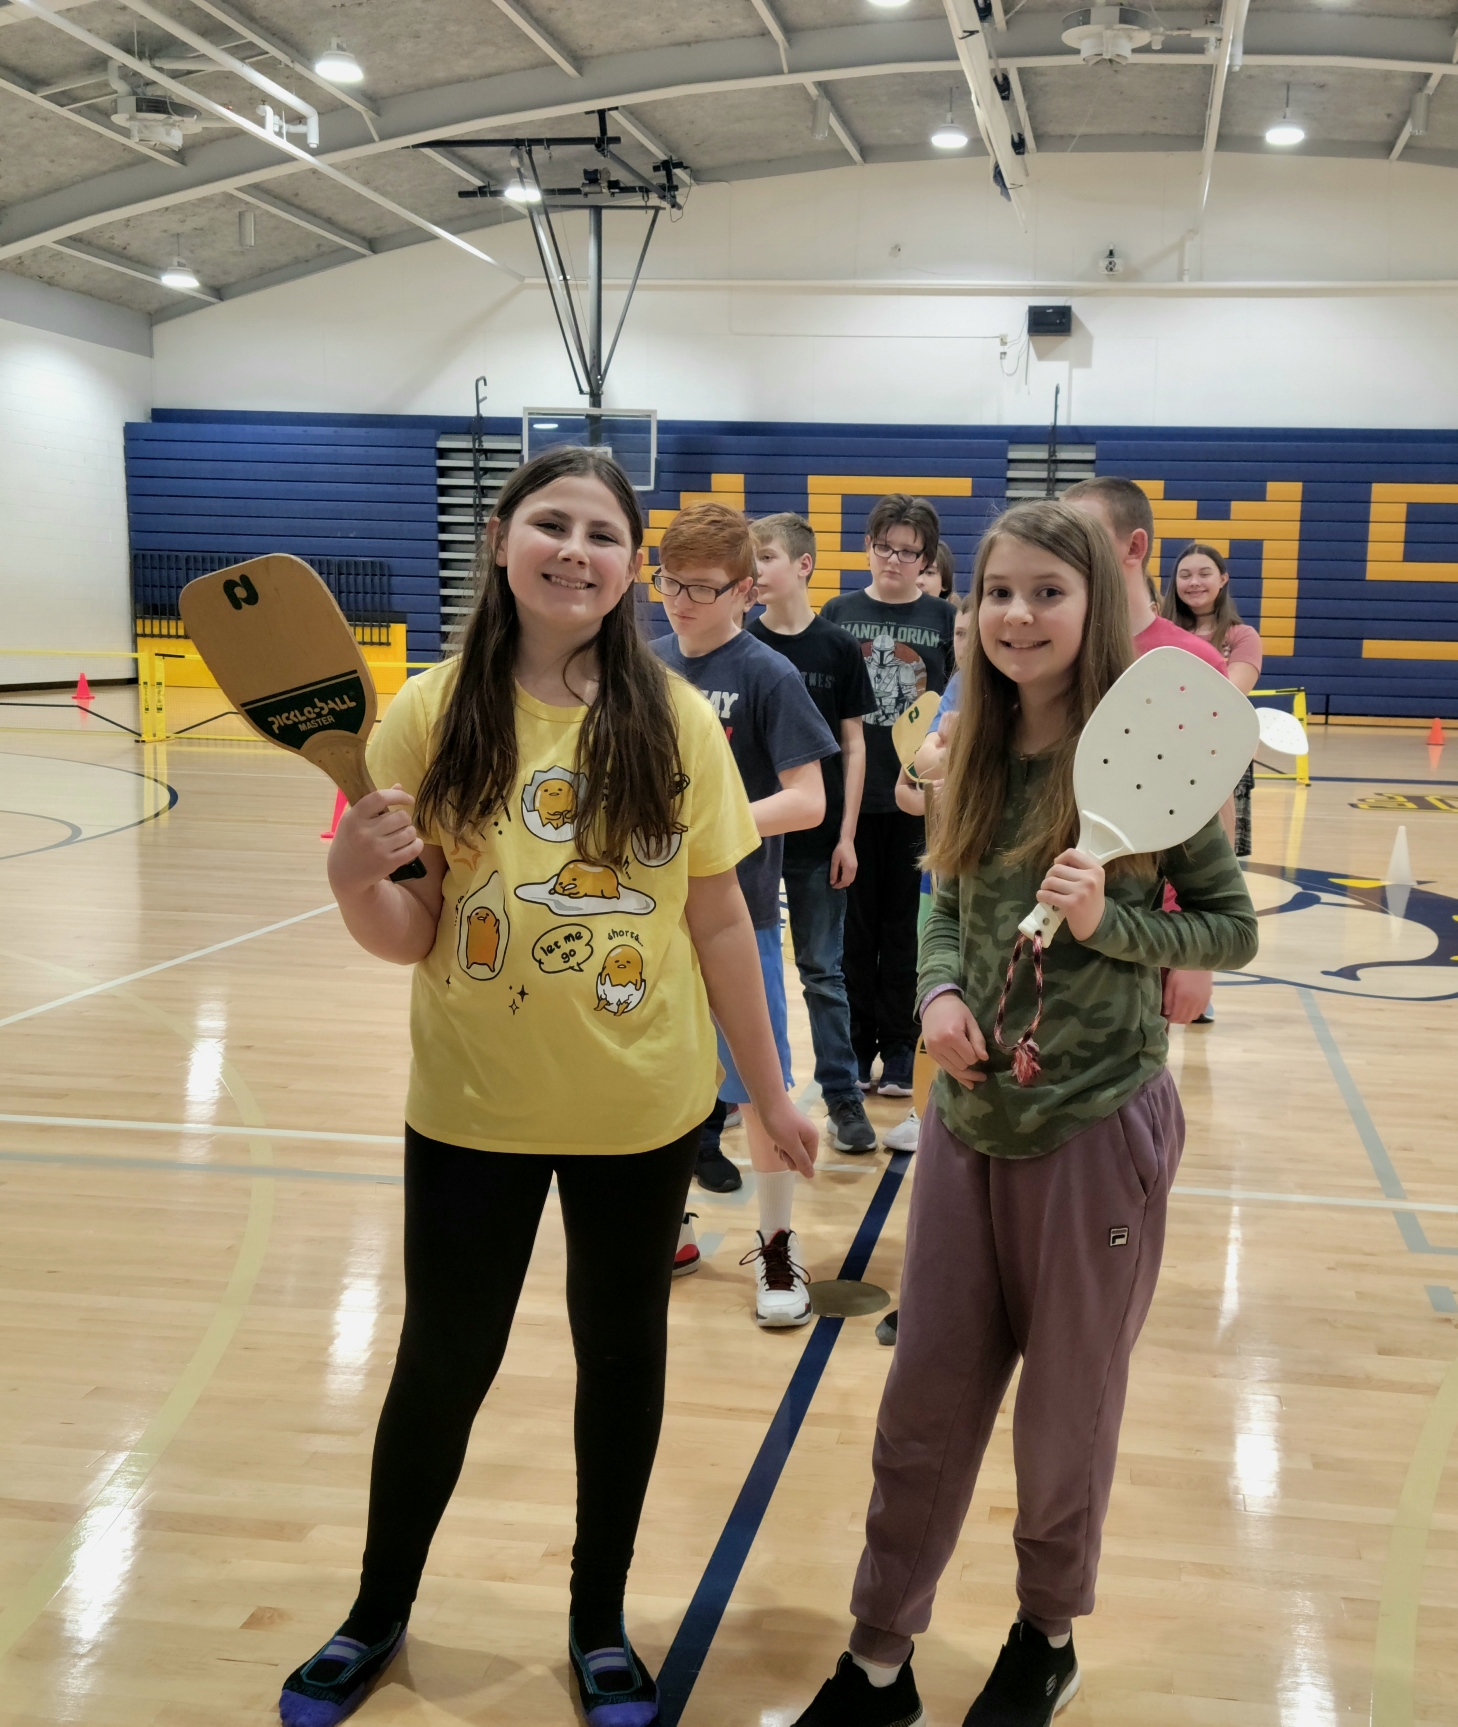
1282,732
1159,756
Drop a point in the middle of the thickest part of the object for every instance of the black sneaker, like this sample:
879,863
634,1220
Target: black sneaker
1031,1682
715,1172
849,1699
849,1128
896,1075
863,1076
886,1330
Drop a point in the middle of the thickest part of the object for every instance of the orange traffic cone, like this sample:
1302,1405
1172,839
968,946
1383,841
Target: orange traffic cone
1435,736
83,690
341,804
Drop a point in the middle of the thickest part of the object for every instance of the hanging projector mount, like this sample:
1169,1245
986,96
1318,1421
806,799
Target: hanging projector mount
596,191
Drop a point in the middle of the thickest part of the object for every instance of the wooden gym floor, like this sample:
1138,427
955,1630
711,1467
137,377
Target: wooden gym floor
200,1292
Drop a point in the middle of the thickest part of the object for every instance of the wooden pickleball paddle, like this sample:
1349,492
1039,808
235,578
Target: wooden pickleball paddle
1159,756
283,653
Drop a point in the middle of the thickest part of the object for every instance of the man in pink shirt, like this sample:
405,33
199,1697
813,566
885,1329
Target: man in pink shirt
1123,509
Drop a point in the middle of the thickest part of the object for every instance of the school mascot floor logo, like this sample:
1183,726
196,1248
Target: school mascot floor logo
1350,935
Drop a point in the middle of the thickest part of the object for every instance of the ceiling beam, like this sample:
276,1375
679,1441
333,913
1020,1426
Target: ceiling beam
516,100
274,141
1021,100
130,267
304,219
18,86
776,30
1430,88
286,55
653,145
1232,30
837,125
458,165
980,61
531,97
531,29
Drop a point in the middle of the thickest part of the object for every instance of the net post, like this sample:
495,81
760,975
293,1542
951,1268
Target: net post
1303,763
151,685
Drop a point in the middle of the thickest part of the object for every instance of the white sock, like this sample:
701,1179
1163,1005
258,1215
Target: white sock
776,1200
1060,1642
879,1676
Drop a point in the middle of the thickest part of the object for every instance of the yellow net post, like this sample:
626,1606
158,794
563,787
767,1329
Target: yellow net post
152,695
1303,763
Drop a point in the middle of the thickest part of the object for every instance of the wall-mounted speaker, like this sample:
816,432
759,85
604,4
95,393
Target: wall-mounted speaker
1050,320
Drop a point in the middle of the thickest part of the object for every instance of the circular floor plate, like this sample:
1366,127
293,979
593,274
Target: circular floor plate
847,1297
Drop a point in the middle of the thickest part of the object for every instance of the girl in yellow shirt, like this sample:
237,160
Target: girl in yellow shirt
579,816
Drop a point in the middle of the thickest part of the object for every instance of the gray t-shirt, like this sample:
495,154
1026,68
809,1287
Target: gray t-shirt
771,724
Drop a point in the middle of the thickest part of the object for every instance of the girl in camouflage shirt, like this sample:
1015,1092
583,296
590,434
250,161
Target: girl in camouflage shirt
1038,1215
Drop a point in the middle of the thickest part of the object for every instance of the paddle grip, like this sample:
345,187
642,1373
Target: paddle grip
409,872
1043,920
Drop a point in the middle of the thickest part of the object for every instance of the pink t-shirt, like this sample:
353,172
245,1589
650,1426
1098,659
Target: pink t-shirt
1162,633
1243,647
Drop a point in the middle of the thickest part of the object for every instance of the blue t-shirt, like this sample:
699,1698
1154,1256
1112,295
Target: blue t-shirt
950,697
771,724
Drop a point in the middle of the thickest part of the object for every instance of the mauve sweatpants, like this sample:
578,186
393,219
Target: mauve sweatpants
1053,1259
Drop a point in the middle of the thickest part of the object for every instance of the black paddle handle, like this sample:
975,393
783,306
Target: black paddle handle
409,872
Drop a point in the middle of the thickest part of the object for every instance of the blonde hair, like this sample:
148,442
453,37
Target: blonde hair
974,792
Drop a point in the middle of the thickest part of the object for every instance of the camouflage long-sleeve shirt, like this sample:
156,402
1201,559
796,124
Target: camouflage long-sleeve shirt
1103,1035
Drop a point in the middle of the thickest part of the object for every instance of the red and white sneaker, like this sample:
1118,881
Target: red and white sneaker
782,1286
687,1258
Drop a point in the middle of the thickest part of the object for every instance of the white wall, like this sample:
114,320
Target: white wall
408,331
64,578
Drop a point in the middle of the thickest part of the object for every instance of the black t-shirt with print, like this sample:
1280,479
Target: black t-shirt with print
833,670
908,650
771,725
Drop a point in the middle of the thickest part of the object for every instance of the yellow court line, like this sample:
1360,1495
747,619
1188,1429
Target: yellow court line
1395,1658
128,1478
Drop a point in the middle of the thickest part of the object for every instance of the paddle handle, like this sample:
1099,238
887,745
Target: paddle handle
342,756
1043,920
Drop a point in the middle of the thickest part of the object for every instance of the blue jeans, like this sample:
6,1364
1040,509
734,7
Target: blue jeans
817,931
732,1088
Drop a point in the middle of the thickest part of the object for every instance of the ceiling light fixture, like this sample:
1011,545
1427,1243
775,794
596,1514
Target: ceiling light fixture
1286,131
338,65
518,191
178,275
890,5
949,135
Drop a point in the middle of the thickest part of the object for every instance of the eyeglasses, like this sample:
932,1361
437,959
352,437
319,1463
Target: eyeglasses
902,554
699,592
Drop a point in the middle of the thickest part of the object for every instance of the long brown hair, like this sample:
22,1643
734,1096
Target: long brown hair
974,792
627,749
1226,610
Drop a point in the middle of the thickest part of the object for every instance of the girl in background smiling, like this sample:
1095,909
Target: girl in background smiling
555,780
1038,1212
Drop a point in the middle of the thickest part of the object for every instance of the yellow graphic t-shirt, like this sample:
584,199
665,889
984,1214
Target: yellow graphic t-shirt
561,1009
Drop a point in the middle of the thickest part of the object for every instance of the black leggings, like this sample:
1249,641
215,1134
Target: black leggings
470,1221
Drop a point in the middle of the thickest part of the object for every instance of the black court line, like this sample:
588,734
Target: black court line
685,1659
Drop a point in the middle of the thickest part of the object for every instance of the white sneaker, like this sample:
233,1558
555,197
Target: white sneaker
905,1135
782,1295
735,1118
687,1258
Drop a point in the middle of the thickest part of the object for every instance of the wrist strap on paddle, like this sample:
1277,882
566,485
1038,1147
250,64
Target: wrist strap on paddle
1025,1064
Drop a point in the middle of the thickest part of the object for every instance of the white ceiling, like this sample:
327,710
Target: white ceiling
727,86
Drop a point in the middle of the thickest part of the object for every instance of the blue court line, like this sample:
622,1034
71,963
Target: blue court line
685,1659
1408,1224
